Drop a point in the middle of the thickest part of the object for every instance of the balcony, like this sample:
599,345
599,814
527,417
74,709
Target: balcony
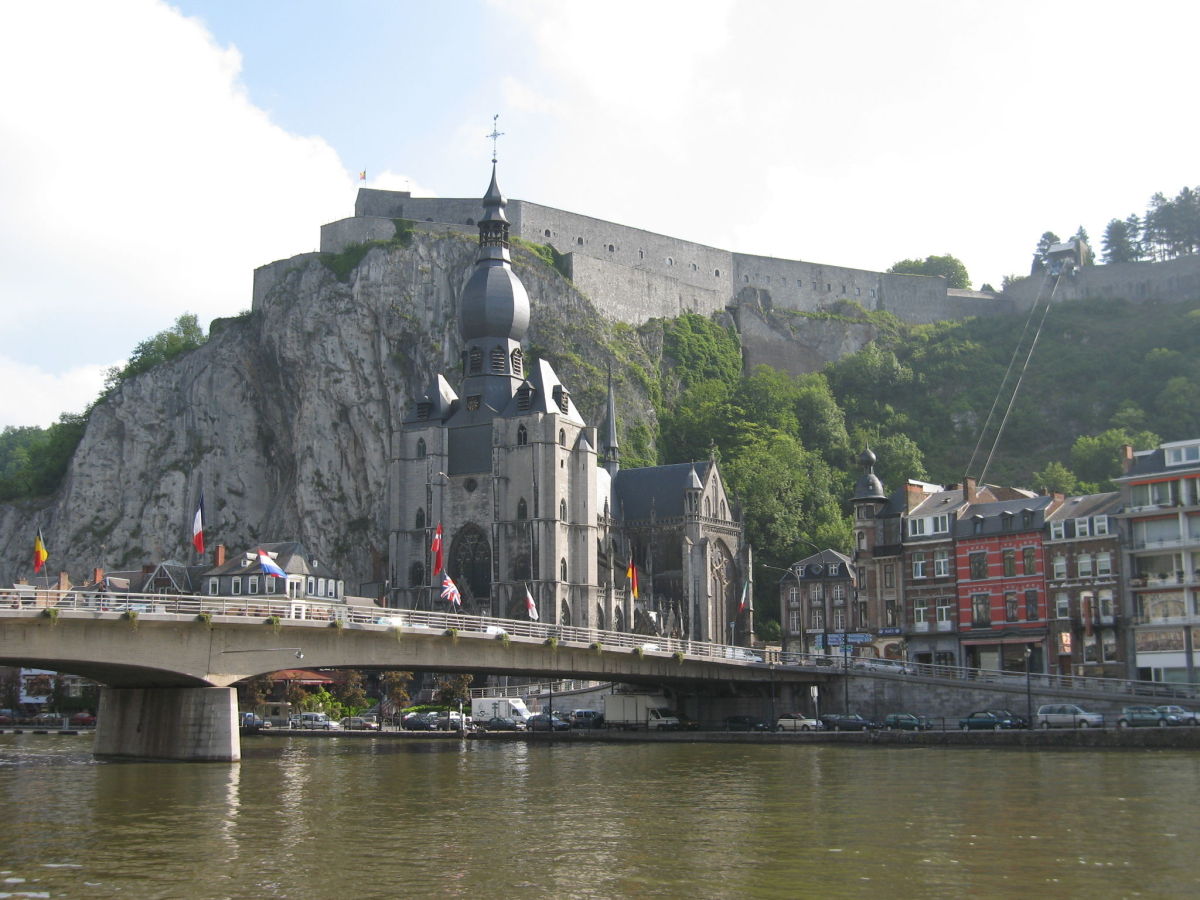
945,625
920,627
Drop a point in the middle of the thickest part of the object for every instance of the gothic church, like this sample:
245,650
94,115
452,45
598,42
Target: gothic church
529,496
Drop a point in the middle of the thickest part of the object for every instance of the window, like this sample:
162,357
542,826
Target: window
794,621
1160,493
916,527
1104,563
1062,605
837,593
833,568
1010,563
252,584
562,510
941,563
816,617
1105,601
1027,518
214,587
793,596
1177,456
522,436
1006,520
1083,565
945,609
979,566
311,587
981,610
939,524
1010,606
889,576
918,565
562,437
1031,605
522,510
1100,525
320,587
1057,530
270,585
1081,528
236,585
421,448
518,361
416,574
474,361
562,569
816,593
1028,561
839,619
1060,567
977,525
920,609
419,521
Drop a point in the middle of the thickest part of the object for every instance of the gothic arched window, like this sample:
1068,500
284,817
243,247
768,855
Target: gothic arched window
420,520
562,569
522,436
522,509
562,437
420,448
416,574
564,617
562,510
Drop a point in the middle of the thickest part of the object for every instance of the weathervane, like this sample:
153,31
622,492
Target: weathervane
495,135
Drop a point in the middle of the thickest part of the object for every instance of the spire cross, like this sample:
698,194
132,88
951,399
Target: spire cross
495,135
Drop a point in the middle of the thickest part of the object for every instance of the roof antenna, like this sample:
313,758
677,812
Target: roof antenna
495,135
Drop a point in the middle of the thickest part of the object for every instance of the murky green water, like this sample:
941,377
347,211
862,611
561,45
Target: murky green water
353,818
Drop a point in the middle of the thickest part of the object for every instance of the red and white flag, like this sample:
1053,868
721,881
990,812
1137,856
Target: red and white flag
450,591
530,606
436,549
198,526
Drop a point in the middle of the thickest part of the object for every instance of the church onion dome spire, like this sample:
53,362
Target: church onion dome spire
868,486
494,302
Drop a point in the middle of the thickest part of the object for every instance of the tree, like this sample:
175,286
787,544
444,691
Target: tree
1045,242
395,692
1117,243
946,266
1096,459
450,690
347,688
186,334
1055,478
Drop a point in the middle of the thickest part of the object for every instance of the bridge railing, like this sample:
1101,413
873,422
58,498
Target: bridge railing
28,599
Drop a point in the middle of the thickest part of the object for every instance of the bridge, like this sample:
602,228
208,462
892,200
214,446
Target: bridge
166,663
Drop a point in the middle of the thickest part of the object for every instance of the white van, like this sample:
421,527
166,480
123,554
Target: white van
314,720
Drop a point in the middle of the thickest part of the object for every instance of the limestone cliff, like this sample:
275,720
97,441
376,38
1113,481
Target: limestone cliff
284,416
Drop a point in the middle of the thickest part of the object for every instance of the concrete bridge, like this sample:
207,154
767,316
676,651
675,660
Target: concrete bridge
167,662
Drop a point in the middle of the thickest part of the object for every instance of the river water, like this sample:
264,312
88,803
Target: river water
345,818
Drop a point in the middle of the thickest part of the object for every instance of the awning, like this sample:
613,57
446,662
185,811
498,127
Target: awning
1023,639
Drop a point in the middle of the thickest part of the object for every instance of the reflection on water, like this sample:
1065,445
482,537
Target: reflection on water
305,818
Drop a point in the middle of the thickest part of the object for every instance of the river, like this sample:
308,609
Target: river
352,818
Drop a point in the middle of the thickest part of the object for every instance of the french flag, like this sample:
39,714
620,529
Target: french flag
268,565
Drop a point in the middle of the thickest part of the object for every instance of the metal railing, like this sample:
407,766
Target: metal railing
28,600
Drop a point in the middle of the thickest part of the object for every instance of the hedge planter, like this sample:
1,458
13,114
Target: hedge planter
275,622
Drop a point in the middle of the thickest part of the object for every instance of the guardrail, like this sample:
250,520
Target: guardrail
26,600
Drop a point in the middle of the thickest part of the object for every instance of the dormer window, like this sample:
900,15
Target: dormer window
518,362
499,358
474,361
424,408
1179,456
563,398
524,398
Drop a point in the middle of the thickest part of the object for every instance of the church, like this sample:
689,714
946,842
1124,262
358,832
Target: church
525,496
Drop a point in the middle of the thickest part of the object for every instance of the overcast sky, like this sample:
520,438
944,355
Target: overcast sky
153,154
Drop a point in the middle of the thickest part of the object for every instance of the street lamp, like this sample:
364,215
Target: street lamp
1028,690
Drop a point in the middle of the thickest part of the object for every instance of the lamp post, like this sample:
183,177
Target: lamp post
1028,689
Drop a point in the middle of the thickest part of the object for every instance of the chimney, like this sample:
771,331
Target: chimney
64,581
219,555
147,568
968,489
914,494
97,576
1126,458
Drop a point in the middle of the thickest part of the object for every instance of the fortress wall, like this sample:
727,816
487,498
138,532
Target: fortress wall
635,295
922,299
805,286
1139,282
337,236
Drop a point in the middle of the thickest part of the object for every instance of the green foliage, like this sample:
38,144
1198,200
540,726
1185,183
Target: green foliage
547,254
33,460
946,266
768,630
394,686
702,350
1054,478
186,334
450,690
344,263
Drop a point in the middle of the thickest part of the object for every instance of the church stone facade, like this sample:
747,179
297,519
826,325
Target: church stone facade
529,496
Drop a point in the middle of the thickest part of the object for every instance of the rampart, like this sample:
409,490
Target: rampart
633,275
1140,282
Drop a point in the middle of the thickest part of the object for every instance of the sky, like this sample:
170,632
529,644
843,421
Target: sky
153,154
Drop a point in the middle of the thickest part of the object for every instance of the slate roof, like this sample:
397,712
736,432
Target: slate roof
291,556
636,490
992,516
1086,505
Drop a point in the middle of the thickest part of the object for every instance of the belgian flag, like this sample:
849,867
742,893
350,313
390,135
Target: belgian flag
40,554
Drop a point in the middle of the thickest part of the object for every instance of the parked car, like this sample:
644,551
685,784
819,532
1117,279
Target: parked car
503,723
546,722
1146,717
851,722
358,723
905,722
745,723
6,719
249,721
1066,715
314,720
797,722
418,722
83,719
587,718
989,720
894,666
1185,716
1020,720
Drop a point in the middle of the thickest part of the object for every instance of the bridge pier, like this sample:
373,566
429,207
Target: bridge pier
185,724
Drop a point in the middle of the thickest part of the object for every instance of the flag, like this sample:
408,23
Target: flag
450,591
40,553
362,176
268,565
198,526
436,549
530,606
745,596
631,574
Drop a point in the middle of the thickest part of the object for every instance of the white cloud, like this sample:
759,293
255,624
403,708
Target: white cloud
139,183
33,396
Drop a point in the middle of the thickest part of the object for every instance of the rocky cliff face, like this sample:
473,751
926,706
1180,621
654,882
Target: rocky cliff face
284,417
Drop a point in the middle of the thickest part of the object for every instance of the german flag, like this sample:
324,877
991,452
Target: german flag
40,554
